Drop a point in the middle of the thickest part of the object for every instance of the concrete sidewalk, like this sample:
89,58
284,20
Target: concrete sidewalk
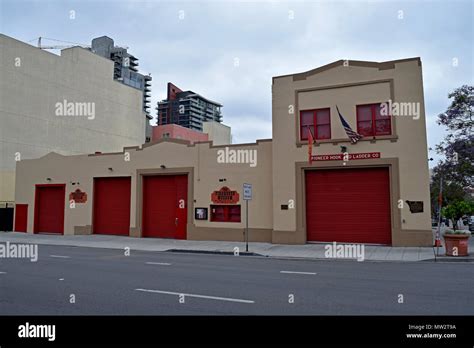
306,251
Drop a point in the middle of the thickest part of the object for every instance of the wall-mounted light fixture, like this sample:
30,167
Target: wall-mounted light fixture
163,166
48,179
222,180
110,169
343,148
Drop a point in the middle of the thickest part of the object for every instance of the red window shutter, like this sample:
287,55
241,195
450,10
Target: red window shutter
217,213
234,213
383,124
323,123
317,121
364,120
225,213
306,124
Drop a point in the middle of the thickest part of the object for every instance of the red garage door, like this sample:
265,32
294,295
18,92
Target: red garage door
49,208
112,206
348,205
165,206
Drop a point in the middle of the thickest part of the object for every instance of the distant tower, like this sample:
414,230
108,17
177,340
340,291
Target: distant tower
187,109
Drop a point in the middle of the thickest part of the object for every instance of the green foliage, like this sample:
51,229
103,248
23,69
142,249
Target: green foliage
452,192
457,232
457,210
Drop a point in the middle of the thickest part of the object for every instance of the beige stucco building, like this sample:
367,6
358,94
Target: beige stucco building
375,190
106,115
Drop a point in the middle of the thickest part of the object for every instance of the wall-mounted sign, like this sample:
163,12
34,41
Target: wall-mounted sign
225,196
415,206
200,213
351,156
78,196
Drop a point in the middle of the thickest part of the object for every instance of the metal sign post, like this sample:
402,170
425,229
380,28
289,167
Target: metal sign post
440,205
247,197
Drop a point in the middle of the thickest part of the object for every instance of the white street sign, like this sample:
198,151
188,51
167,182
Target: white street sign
247,192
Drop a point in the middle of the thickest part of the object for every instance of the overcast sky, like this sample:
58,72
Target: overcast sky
195,44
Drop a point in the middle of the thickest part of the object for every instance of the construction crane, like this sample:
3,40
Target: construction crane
58,47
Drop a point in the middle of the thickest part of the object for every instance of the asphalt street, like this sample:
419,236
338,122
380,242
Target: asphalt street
105,281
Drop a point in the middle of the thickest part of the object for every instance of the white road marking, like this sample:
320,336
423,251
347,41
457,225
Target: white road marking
3,272
293,272
198,296
158,263
61,278
60,256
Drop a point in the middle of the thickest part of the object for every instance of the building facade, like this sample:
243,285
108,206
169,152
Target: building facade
187,109
373,191
348,203
218,133
174,131
69,104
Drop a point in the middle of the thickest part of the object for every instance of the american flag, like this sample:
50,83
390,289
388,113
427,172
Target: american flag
353,136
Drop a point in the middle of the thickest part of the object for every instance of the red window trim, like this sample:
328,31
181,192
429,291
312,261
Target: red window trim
373,113
226,212
314,124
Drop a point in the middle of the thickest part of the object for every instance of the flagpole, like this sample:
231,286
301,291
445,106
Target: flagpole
310,145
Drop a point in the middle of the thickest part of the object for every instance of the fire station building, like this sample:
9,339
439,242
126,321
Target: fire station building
372,190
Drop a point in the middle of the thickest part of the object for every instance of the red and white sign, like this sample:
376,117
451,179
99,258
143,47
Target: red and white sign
225,196
350,156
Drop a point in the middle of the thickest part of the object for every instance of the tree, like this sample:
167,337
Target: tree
457,210
452,192
458,146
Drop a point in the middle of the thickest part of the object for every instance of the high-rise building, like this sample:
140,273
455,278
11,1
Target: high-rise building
125,71
187,109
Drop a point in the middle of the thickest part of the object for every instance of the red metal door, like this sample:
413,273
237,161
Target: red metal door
49,208
111,214
164,206
348,205
21,217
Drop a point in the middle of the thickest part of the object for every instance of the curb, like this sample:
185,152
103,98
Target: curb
452,259
288,258
443,259
217,252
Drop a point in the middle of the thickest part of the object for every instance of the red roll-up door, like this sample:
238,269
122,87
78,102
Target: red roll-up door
348,205
165,206
49,208
112,206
